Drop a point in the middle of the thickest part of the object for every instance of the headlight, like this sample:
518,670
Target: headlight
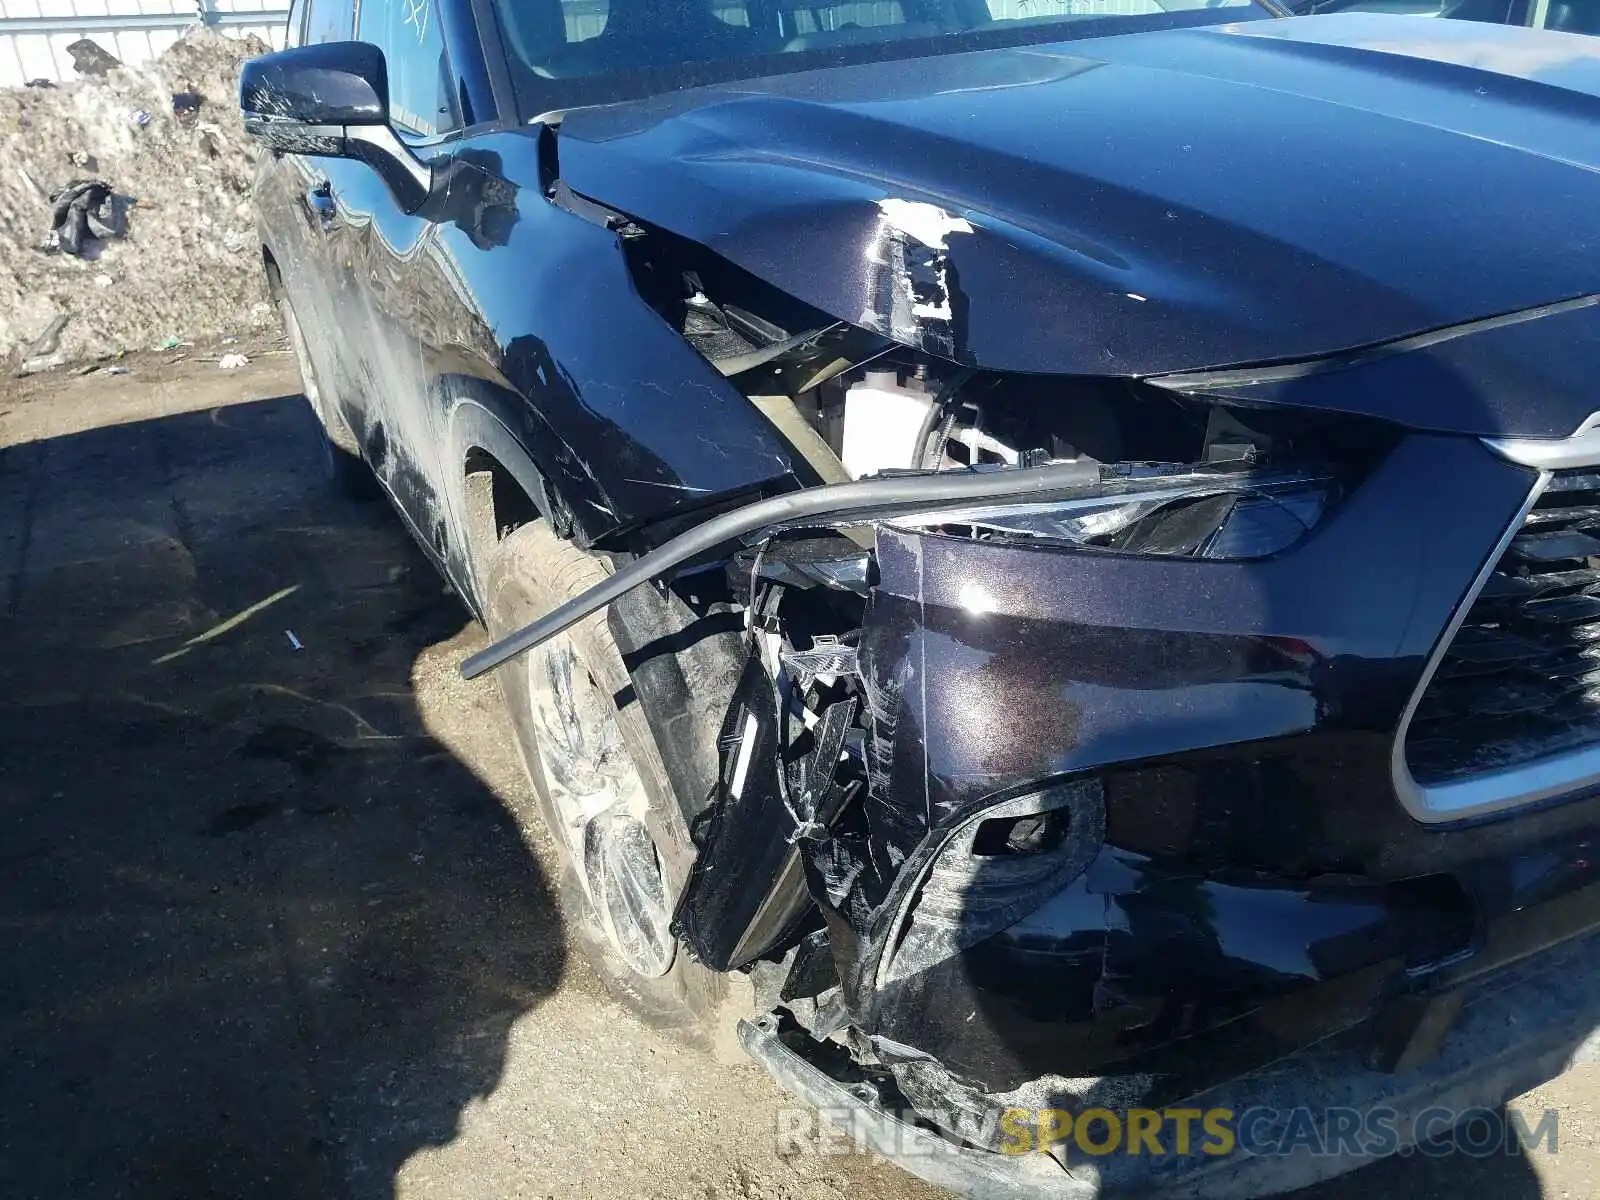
1154,508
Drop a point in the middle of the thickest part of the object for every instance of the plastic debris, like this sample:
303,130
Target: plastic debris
170,342
293,641
44,351
48,341
84,213
186,108
139,117
232,362
32,366
91,58
40,83
32,184
233,622
210,139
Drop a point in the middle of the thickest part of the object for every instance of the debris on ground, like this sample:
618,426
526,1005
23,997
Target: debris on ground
189,259
232,362
48,341
186,107
91,58
86,213
44,352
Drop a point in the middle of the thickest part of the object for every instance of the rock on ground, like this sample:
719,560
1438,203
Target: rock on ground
190,264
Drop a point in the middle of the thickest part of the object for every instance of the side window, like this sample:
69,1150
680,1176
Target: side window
330,21
408,31
863,14
294,30
585,19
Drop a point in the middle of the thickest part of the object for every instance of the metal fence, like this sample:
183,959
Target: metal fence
35,34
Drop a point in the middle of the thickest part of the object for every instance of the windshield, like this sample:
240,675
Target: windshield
1568,16
565,53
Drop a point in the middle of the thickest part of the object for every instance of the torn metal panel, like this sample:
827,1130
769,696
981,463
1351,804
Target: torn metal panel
918,300
1113,243
743,893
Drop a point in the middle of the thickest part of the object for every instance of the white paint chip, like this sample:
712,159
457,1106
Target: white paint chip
747,745
928,223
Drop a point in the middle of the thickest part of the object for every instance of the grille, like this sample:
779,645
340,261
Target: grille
1521,679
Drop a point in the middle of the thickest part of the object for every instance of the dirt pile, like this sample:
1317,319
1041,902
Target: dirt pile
189,266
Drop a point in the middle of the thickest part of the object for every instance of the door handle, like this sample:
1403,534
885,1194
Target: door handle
320,204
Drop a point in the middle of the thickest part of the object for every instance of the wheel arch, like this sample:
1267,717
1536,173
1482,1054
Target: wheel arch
501,487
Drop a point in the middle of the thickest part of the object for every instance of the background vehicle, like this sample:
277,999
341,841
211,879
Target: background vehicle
1565,16
1066,580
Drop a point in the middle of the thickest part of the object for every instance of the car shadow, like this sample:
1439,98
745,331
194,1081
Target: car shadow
264,933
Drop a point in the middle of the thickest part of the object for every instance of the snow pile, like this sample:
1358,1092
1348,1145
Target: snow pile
190,265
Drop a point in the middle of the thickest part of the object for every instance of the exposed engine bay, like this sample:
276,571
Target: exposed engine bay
845,884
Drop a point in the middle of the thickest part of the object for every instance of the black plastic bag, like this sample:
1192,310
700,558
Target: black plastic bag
84,211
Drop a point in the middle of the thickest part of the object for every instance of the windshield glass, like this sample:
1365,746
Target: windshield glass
565,53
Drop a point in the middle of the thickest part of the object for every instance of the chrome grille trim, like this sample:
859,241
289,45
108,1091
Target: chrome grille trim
1491,791
1511,787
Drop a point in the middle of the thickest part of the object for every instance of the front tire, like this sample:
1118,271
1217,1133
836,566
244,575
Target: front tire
601,787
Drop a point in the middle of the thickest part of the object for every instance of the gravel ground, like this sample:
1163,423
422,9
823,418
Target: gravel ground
267,928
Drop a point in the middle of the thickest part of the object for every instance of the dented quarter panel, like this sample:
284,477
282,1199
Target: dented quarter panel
1140,204
611,407
626,422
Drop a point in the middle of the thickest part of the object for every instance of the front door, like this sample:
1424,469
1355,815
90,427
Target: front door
396,305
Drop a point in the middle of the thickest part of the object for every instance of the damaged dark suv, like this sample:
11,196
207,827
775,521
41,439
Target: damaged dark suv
1053,548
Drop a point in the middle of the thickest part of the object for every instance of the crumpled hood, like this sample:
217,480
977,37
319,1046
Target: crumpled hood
1146,203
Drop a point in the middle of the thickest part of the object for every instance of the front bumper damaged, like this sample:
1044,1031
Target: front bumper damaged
1125,837
1514,1032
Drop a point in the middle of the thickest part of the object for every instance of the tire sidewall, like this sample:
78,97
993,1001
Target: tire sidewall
531,572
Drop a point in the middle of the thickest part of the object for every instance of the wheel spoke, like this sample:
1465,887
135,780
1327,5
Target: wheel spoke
593,783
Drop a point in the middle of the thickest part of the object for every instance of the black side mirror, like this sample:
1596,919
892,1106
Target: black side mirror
331,99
